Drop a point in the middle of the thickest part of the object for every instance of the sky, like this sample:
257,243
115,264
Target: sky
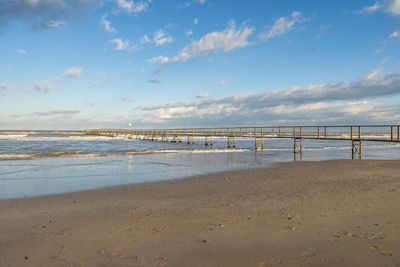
81,64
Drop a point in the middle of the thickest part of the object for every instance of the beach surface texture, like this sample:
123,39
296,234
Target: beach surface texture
333,213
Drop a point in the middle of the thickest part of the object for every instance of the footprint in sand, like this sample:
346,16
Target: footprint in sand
160,261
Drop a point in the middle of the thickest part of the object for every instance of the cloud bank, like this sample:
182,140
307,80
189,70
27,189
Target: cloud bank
336,102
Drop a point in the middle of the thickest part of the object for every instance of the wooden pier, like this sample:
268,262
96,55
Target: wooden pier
355,134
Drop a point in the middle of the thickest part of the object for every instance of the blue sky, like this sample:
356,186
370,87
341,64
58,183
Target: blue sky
97,64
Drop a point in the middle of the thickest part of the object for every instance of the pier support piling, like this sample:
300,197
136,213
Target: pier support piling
356,149
231,139
298,145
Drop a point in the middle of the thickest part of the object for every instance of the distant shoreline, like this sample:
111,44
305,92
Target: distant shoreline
336,213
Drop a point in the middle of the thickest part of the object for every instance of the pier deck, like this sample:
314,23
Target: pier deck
355,134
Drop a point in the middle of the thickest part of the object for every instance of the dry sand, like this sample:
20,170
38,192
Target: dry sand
335,213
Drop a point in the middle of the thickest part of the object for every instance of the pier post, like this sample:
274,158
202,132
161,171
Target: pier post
255,139
208,138
391,133
227,135
298,147
294,138
351,132
231,141
234,138
398,133
262,139
301,139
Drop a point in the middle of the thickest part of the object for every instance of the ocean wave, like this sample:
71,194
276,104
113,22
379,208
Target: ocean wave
52,138
66,154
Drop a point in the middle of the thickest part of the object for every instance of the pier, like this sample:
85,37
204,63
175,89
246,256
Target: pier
354,134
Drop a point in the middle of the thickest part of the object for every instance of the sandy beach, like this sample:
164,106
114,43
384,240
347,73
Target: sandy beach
333,213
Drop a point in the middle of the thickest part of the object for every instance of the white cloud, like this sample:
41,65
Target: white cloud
74,72
132,7
7,89
43,86
161,59
21,51
55,23
123,45
388,6
283,25
42,14
106,24
90,104
383,61
120,44
128,99
154,81
322,30
94,84
229,39
374,74
145,39
187,4
160,38
56,112
195,21
33,2
183,5
370,9
224,82
395,34
203,96
393,7
189,32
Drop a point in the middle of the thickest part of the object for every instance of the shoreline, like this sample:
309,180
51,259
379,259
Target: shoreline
337,213
104,189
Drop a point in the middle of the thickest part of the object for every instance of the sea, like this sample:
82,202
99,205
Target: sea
35,163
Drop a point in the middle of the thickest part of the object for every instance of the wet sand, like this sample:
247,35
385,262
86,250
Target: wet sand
334,213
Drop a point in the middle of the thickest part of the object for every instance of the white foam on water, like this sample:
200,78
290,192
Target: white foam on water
52,138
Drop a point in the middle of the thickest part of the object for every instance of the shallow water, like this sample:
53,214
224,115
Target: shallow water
56,162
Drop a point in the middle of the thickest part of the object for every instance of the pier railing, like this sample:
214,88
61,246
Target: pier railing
355,134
